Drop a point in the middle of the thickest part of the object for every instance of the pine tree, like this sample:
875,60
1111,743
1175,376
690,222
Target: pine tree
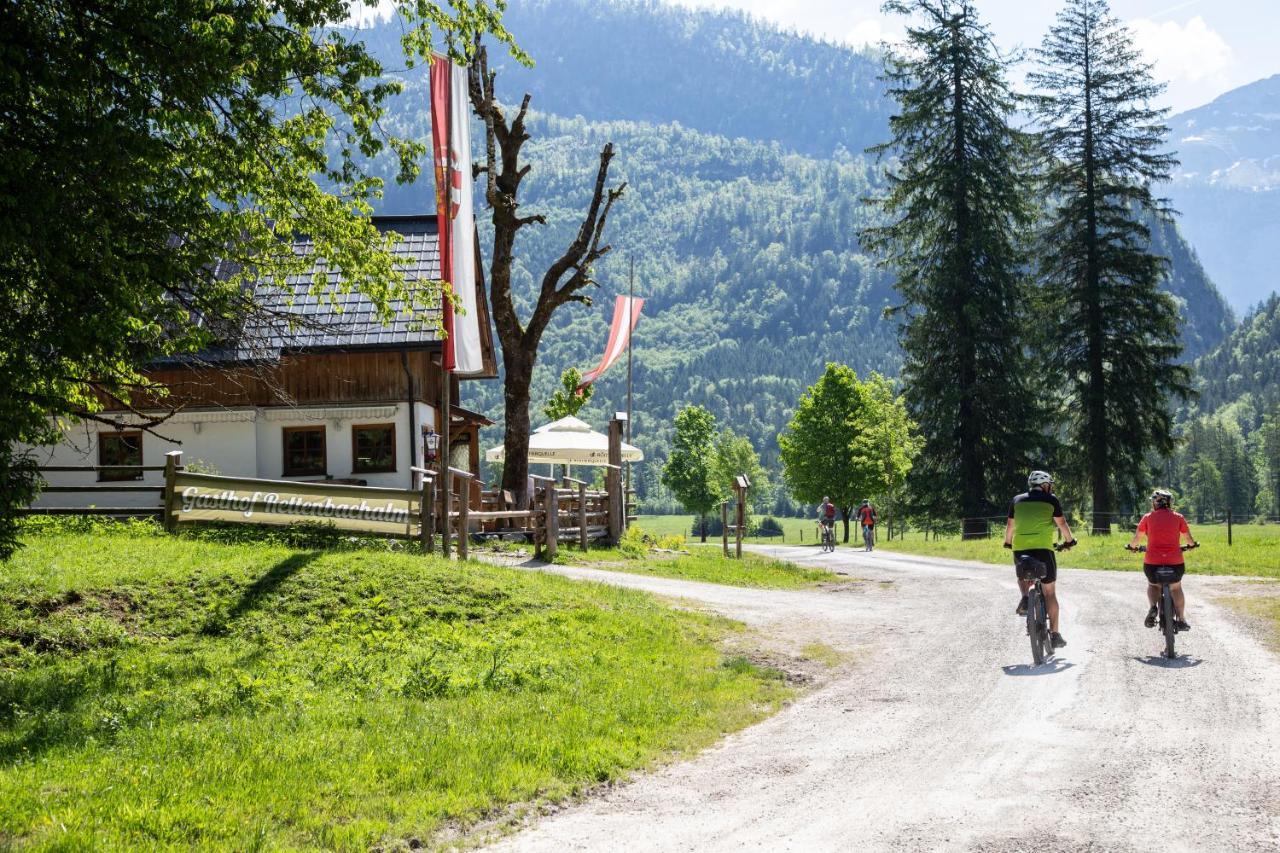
1114,334
958,205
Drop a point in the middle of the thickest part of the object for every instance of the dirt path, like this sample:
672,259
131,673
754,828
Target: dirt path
943,737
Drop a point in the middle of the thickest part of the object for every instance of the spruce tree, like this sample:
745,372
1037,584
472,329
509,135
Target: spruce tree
1113,333
958,205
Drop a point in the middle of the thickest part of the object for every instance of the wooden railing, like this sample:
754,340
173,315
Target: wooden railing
112,487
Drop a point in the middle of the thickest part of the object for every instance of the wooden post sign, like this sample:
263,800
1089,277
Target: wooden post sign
740,485
193,497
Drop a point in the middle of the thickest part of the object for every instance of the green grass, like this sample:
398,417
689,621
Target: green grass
1255,550
174,693
1264,607
796,531
703,563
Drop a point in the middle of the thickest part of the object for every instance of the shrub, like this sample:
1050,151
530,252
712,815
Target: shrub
634,543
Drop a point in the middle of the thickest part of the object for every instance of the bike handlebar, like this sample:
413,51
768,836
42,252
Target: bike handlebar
1142,549
1064,546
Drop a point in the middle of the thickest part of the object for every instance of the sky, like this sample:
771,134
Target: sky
1201,48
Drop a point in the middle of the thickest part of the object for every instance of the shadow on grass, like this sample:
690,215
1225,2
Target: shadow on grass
1050,668
65,701
255,592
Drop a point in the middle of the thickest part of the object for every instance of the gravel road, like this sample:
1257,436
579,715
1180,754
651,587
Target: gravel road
942,736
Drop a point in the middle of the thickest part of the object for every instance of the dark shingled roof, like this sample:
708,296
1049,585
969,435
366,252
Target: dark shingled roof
346,320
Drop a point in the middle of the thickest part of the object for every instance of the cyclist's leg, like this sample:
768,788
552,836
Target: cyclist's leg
1153,593
1179,600
1051,604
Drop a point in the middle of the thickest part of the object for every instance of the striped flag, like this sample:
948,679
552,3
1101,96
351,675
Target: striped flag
626,314
455,215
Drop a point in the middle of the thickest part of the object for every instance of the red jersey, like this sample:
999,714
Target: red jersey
1164,529
867,516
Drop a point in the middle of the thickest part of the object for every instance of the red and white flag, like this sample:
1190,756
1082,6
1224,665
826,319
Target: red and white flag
455,214
626,313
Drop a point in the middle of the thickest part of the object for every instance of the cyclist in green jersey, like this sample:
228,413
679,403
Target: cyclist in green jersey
1033,518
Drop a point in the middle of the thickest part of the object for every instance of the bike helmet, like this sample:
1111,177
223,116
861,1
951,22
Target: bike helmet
1038,478
866,503
1162,498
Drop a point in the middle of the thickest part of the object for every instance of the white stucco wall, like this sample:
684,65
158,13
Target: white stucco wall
237,442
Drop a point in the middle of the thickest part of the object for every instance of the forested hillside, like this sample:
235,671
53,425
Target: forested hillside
745,248
1244,372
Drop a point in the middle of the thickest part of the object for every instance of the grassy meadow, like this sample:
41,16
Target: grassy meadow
1255,550
795,531
702,563
164,692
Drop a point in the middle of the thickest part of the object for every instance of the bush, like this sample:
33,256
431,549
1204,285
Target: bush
634,543
674,542
767,526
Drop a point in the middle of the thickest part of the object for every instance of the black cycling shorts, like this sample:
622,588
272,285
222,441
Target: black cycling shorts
1044,555
1158,574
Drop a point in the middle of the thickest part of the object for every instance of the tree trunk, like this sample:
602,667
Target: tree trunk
515,440
844,516
702,527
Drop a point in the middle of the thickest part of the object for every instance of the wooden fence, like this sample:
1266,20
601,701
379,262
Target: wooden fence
559,513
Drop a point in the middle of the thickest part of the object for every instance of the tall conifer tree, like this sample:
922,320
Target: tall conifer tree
1115,334
958,206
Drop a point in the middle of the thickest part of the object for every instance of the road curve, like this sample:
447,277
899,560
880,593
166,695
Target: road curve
943,737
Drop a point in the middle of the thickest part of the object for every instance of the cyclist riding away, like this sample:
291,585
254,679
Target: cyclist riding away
1029,532
827,515
867,518
1164,530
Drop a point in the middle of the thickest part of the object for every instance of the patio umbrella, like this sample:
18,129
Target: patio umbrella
569,441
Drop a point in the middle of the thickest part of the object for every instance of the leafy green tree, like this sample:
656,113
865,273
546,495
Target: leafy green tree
568,400
734,455
144,142
690,471
958,204
818,457
1269,458
1114,335
884,443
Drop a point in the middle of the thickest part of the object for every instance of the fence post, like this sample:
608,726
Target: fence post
172,461
552,521
724,526
464,521
426,515
1228,526
446,502
582,516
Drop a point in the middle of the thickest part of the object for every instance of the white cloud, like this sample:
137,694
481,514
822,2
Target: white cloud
1191,52
868,32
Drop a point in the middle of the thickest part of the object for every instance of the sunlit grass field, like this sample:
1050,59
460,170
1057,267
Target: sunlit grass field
795,531
160,692
703,563
1255,550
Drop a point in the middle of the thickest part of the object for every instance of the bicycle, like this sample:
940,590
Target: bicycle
868,537
828,536
1166,613
1031,569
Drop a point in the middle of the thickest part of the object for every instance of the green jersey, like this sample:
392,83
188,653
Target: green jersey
1033,515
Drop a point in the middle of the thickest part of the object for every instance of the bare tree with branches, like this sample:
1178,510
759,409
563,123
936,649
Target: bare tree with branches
564,281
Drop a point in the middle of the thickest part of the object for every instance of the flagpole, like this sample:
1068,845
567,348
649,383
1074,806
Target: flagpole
631,292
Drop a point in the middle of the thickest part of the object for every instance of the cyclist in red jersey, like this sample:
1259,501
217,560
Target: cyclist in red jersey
1164,530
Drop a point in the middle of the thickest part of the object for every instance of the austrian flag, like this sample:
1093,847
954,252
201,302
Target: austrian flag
626,313
455,215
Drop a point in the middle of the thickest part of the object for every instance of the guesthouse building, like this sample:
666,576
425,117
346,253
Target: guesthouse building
325,393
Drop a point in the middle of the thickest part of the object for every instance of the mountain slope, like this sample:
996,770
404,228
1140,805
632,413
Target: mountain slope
746,251
1228,188
1245,369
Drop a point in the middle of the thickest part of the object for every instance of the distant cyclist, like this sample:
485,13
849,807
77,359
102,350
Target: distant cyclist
827,516
867,518
1164,530
1029,532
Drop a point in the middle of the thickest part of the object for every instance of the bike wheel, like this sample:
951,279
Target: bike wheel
1166,621
1035,625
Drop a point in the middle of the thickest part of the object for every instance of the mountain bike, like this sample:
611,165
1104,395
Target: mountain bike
828,536
1165,575
1031,569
